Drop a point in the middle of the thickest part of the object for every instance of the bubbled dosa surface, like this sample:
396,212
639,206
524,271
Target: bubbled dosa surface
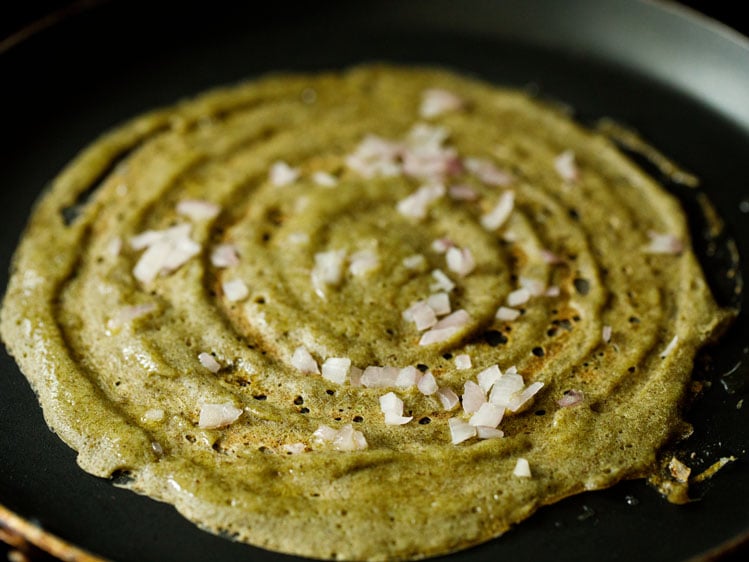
210,257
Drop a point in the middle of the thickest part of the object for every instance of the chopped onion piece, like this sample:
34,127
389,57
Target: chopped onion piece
487,172
166,251
566,167
416,204
473,397
213,416
224,255
328,270
304,362
606,334
282,174
570,398
506,314
376,156
522,468
664,244
114,247
436,101
460,431
209,362
438,335
392,407
354,376
298,238
439,303
460,260
407,377
441,282
550,257
535,287
487,415
456,319
324,179
422,315
442,245
363,262
553,291
349,439
462,362
379,377
495,218
153,415
324,434
462,193
488,377
415,261
424,155
336,369
235,290
670,347
294,448
197,209
518,297
427,384
130,313
484,432
529,392
448,398
504,389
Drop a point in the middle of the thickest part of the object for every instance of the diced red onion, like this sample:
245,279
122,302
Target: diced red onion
439,303
495,218
456,319
462,193
336,369
437,335
416,204
235,290
209,362
484,432
376,156
303,361
408,377
379,377
487,172
166,251
442,245
460,431
328,270
488,377
392,407
423,315
460,260
436,101
553,291
535,287
197,209
441,282
213,416
566,166
355,374
550,257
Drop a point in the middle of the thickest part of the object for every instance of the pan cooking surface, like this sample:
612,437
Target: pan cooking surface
616,59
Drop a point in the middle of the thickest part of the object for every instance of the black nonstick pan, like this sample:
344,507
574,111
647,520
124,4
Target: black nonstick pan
679,80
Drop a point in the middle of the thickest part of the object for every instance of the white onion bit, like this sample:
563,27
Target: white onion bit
375,156
130,313
506,314
462,193
606,334
460,431
328,270
664,244
484,432
392,407
473,397
336,369
518,297
197,209
363,262
166,251
209,362
427,384
441,282
304,362
281,174
439,303
442,245
294,448
566,166
460,261
416,204
408,377
436,101
570,398
456,319
462,362
349,439
448,398
235,290
415,261
153,415
488,377
437,335
670,347
487,415
495,218
114,247
213,416
487,172
522,468
535,287
224,255
324,179
379,377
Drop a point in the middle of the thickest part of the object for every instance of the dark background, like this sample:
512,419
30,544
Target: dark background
19,17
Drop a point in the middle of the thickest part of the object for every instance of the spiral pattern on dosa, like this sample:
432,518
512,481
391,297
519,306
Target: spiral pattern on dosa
411,493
